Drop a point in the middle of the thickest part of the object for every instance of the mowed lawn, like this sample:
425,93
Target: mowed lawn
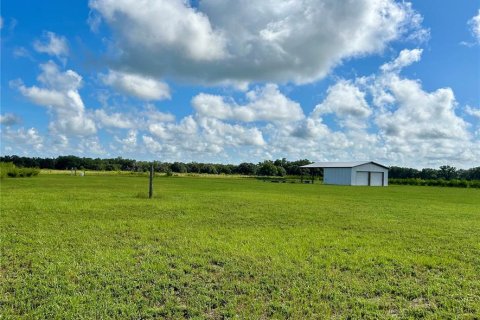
96,247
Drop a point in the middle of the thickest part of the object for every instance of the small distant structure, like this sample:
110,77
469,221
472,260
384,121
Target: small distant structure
357,173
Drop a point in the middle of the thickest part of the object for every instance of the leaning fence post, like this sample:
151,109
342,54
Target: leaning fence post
150,189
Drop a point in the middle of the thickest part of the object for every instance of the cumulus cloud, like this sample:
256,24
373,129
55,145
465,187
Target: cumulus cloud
414,123
403,125
138,120
153,116
406,58
145,88
167,25
129,143
27,140
9,119
474,24
200,136
383,116
347,102
474,112
59,93
263,104
91,145
52,44
114,120
424,123
242,41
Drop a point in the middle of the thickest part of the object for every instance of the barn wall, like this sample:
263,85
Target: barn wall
342,176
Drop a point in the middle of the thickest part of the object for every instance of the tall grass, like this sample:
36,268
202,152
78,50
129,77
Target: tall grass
8,169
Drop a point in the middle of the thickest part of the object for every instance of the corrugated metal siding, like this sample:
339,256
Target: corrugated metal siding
342,176
361,178
376,179
371,167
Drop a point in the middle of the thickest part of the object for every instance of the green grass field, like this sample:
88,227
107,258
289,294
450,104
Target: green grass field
96,247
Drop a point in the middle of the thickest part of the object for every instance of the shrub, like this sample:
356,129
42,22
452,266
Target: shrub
474,184
456,183
8,169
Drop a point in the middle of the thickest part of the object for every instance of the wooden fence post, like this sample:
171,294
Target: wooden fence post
150,189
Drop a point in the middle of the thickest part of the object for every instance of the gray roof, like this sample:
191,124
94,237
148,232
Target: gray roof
349,164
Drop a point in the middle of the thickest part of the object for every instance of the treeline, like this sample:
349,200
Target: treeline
446,173
280,167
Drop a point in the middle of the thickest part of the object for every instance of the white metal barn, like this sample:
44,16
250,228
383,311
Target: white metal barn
360,173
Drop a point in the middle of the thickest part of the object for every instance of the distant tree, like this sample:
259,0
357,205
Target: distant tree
267,168
179,167
225,168
294,167
469,174
447,172
67,162
428,174
281,172
246,168
209,168
163,167
193,167
281,162
403,173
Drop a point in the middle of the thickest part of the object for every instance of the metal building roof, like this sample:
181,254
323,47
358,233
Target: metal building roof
349,164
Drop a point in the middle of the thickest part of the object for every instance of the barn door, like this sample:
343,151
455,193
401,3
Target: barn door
362,178
376,179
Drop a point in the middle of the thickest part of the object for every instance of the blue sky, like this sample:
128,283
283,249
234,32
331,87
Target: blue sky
231,81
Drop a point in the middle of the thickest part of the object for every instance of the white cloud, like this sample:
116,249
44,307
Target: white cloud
406,125
91,145
129,143
383,116
232,41
220,133
474,112
21,52
114,120
9,119
154,116
422,119
1,23
309,129
406,58
200,136
138,119
60,143
347,102
163,25
26,140
263,104
418,125
474,24
52,44
145,88
60,95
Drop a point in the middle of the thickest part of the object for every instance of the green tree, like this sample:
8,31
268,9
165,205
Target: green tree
267,168
447,172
